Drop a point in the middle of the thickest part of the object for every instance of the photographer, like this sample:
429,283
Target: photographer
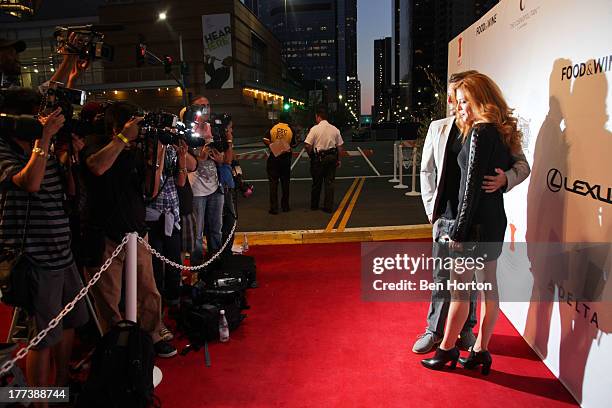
164,220
32,216
10,68
208,195
117,173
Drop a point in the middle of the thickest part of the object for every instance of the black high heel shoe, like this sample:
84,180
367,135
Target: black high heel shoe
477,358
439,360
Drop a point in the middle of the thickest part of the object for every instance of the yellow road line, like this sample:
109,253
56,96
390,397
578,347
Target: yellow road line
349,210
345,199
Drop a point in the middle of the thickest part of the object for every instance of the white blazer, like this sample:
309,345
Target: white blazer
433,166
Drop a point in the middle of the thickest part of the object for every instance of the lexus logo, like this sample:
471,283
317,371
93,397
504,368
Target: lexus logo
522,6
554,179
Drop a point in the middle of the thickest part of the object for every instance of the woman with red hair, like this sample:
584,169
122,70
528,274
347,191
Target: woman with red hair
490,138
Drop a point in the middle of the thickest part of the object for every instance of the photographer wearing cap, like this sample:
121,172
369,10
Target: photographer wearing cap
32,217
116,175
10,68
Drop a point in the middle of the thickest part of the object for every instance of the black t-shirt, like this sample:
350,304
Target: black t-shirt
116,198
452,175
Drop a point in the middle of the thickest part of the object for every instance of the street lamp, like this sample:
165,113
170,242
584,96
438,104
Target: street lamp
162,15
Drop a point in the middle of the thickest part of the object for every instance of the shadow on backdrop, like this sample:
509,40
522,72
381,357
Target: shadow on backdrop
573,144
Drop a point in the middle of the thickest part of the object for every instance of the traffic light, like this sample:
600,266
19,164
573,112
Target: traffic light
286,107
167,61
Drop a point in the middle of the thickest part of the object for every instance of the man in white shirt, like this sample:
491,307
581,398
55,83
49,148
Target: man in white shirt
324,146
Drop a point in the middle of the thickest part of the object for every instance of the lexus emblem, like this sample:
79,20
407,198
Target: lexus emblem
554,180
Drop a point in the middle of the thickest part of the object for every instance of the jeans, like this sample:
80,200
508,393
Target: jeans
440,299
208,210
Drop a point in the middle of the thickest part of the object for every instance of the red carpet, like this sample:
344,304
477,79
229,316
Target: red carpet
309,341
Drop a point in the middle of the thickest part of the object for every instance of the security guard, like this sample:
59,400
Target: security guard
279,167
324,146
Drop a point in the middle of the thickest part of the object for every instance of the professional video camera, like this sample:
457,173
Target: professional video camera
88,41
218,126
167,128
57,95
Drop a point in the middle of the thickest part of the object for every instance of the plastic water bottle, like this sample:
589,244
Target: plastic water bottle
223,327
245,243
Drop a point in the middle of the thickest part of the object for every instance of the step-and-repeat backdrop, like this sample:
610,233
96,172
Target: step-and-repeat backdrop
553,61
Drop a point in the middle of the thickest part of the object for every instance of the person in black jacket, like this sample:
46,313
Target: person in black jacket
491,136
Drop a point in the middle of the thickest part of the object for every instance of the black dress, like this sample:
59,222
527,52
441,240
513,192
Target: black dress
481,217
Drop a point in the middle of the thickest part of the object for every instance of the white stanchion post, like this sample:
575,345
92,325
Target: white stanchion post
400,161
131,291
394,179
130,278
413,192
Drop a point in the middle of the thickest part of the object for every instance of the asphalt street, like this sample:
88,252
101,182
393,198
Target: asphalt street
363,197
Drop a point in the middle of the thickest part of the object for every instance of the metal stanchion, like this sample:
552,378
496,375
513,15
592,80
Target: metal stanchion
413,192
395,161
400,161
131,291
131,294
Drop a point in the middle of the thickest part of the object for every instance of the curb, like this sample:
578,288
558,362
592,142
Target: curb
400,232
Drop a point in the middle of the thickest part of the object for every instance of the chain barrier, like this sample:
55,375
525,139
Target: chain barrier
7,366
189,268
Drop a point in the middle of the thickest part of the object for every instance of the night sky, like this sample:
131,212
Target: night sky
373,22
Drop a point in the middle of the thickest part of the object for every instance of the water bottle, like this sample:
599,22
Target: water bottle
223,327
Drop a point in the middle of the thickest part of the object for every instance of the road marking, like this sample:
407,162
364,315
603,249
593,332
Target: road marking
310,178
338,211
252,151
368,160
297,158
349,210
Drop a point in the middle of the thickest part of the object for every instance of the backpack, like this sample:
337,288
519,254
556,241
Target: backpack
121,370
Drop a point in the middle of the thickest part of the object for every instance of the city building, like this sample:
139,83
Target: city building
382,79
319,39
227,55
421,32
353,99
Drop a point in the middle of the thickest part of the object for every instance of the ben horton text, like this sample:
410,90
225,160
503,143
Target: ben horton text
410,264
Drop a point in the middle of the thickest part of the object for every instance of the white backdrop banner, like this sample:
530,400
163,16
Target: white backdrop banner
218,61
553,60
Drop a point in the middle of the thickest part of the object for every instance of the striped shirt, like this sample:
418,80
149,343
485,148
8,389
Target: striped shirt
48,231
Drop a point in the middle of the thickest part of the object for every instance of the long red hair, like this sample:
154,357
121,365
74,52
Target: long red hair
489,106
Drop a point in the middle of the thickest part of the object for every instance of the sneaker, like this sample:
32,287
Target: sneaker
425,343
466,340
166,334
164,349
